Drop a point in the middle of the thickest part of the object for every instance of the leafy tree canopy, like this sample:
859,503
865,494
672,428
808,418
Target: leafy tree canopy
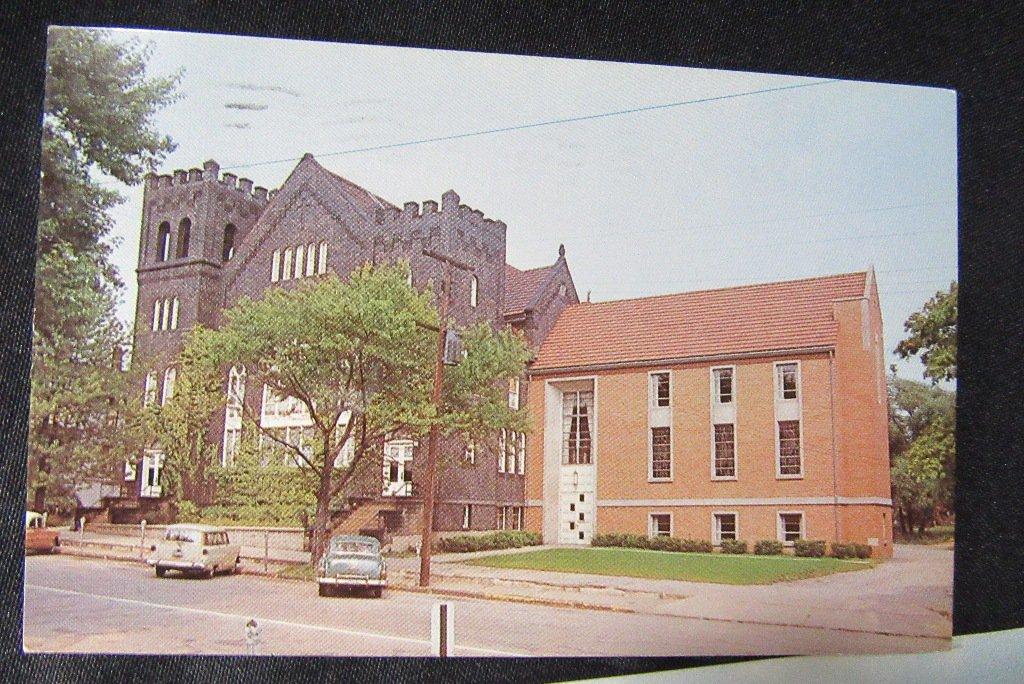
932,335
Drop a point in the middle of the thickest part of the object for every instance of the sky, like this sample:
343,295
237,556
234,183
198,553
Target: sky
830,177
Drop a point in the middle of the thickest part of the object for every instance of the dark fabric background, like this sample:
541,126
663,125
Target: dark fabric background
972,47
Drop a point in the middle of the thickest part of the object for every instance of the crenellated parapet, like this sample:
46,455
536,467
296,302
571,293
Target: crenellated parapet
210,173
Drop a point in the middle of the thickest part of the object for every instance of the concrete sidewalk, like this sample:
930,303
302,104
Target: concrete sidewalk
120,546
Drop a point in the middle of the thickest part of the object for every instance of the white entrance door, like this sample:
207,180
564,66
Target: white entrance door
152,462
577,477
398,468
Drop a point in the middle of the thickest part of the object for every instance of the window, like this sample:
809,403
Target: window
275,266
791,527
723,385
474,286
724,527
725,450
174,314
659,525
577,409
501,451
467,516
521,454
156,315
300,256
321,266
228,250
660,395
163,242
789,448
236,392
310,258
286,265
469,455
232,438
661,453
787,381
169,376
165,314
184,234
510,518
561,289
149,396
513,394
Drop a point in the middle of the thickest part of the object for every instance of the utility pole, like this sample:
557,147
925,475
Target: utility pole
427,535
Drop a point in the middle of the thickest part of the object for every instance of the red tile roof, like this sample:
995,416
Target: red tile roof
752,318
521,287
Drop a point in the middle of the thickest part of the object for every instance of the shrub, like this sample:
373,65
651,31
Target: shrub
862,550
696,546
662,543
809,548
768,547
506,539
844,550
734,546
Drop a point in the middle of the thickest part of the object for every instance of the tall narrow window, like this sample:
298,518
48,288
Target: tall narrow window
169,376
469,455
165,314
660,395
228,249
311,259
661,453
149,396
163,242
787,381
521,454
474,287
300,260
725,450
184,235
174,314
502,446
513,394
275,266
286,268
723,385
577,411
321,266
467,516
156,315
790,462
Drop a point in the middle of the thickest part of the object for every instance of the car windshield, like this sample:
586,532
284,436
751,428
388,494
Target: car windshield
347,546
190,536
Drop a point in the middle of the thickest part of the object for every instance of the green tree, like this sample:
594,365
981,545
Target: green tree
97,122
356,357
922,450
932,335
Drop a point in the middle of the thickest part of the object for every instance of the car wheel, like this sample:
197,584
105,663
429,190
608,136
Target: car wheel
235,569
210,573
378,592
160,572
325,590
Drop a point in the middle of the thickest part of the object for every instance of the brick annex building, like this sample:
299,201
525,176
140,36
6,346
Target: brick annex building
752,412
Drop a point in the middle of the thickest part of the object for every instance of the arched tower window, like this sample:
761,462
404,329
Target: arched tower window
163,242
233,414
184,233
474,287
169,376
229,242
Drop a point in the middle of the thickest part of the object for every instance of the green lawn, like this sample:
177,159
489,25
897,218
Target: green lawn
692,567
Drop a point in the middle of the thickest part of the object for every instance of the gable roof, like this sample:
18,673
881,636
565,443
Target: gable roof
522,287
788,315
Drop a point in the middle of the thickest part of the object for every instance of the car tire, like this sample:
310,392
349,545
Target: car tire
325,590
160,572
235,569
378,592
208,574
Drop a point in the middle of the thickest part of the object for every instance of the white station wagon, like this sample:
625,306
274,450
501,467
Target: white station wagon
195,549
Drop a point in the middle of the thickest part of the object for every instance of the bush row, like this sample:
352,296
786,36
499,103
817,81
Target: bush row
639,541
809,548
464,543
851,551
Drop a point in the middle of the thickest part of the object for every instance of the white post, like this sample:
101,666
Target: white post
142,539
81,528
442,629
266,550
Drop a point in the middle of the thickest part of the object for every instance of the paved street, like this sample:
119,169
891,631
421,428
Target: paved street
84,605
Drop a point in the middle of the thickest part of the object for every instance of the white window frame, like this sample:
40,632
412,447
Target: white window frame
230,449
174,313
467,516
310,259
777,380
780,530
521,454
167,393
651,528
300,260
513,393
650,453
156,315
501,451
469,454
165,314
735,454
149,392
778,451
652,390
286,267
716,389
474,291
275,266
716,531
321,264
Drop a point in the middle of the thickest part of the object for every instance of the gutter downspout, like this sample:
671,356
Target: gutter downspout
835,454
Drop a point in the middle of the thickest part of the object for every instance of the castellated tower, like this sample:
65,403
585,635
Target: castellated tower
192,222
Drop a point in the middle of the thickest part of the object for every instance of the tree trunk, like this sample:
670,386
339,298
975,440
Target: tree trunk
321,521
39,503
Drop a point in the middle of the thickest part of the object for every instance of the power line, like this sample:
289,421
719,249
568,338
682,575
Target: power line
536,124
